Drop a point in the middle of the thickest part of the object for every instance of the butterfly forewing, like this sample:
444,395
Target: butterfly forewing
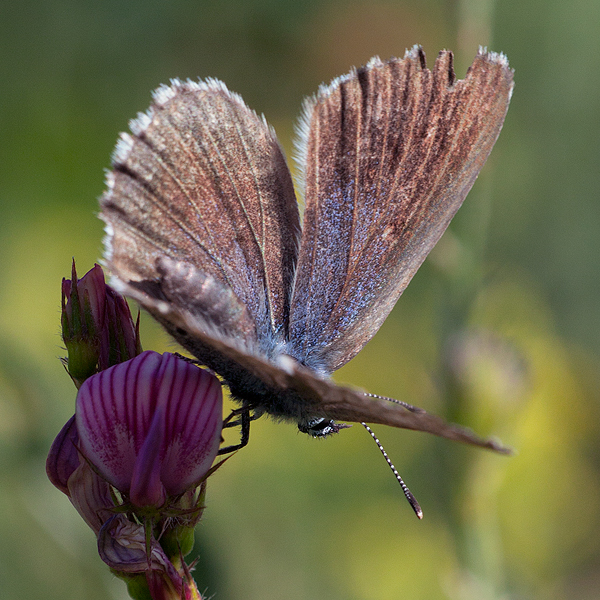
203,181
388,154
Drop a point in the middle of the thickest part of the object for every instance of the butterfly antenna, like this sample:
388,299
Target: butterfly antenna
406,405
411,499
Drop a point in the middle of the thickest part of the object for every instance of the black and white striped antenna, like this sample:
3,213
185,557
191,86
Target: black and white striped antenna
409,496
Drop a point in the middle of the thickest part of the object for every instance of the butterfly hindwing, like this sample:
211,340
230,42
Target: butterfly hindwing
284,387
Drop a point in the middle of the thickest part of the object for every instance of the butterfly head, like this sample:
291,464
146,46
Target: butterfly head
321,427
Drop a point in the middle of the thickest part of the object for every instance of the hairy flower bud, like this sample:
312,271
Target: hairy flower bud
97,327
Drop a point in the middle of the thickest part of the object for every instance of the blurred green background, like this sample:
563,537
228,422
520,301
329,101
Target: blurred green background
499,330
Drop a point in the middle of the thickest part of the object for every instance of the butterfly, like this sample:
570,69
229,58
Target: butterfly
203,226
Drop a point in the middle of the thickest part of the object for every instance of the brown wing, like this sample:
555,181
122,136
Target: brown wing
389,153
203,180
283,386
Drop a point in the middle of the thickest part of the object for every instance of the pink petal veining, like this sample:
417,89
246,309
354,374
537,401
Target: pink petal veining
151,425
146,486
113,416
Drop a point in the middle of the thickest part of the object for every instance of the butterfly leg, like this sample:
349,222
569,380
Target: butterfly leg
244,423
187,359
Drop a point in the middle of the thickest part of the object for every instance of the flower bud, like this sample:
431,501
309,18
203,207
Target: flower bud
97,327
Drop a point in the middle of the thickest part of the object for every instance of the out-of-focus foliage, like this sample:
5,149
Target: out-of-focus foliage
499,330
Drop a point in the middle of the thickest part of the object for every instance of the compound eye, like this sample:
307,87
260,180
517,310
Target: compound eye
320,427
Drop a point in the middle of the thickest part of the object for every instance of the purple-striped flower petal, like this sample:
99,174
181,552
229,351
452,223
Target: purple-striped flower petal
63,457
156,417
193,428
72,475
164,588
146,486
91,496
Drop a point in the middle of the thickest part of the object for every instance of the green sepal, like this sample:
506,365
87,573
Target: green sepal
83,359
137,586
178,542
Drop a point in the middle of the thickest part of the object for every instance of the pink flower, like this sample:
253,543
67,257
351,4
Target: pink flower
72,475
151,427
134,458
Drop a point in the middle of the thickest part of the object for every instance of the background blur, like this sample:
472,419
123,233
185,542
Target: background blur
499,330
